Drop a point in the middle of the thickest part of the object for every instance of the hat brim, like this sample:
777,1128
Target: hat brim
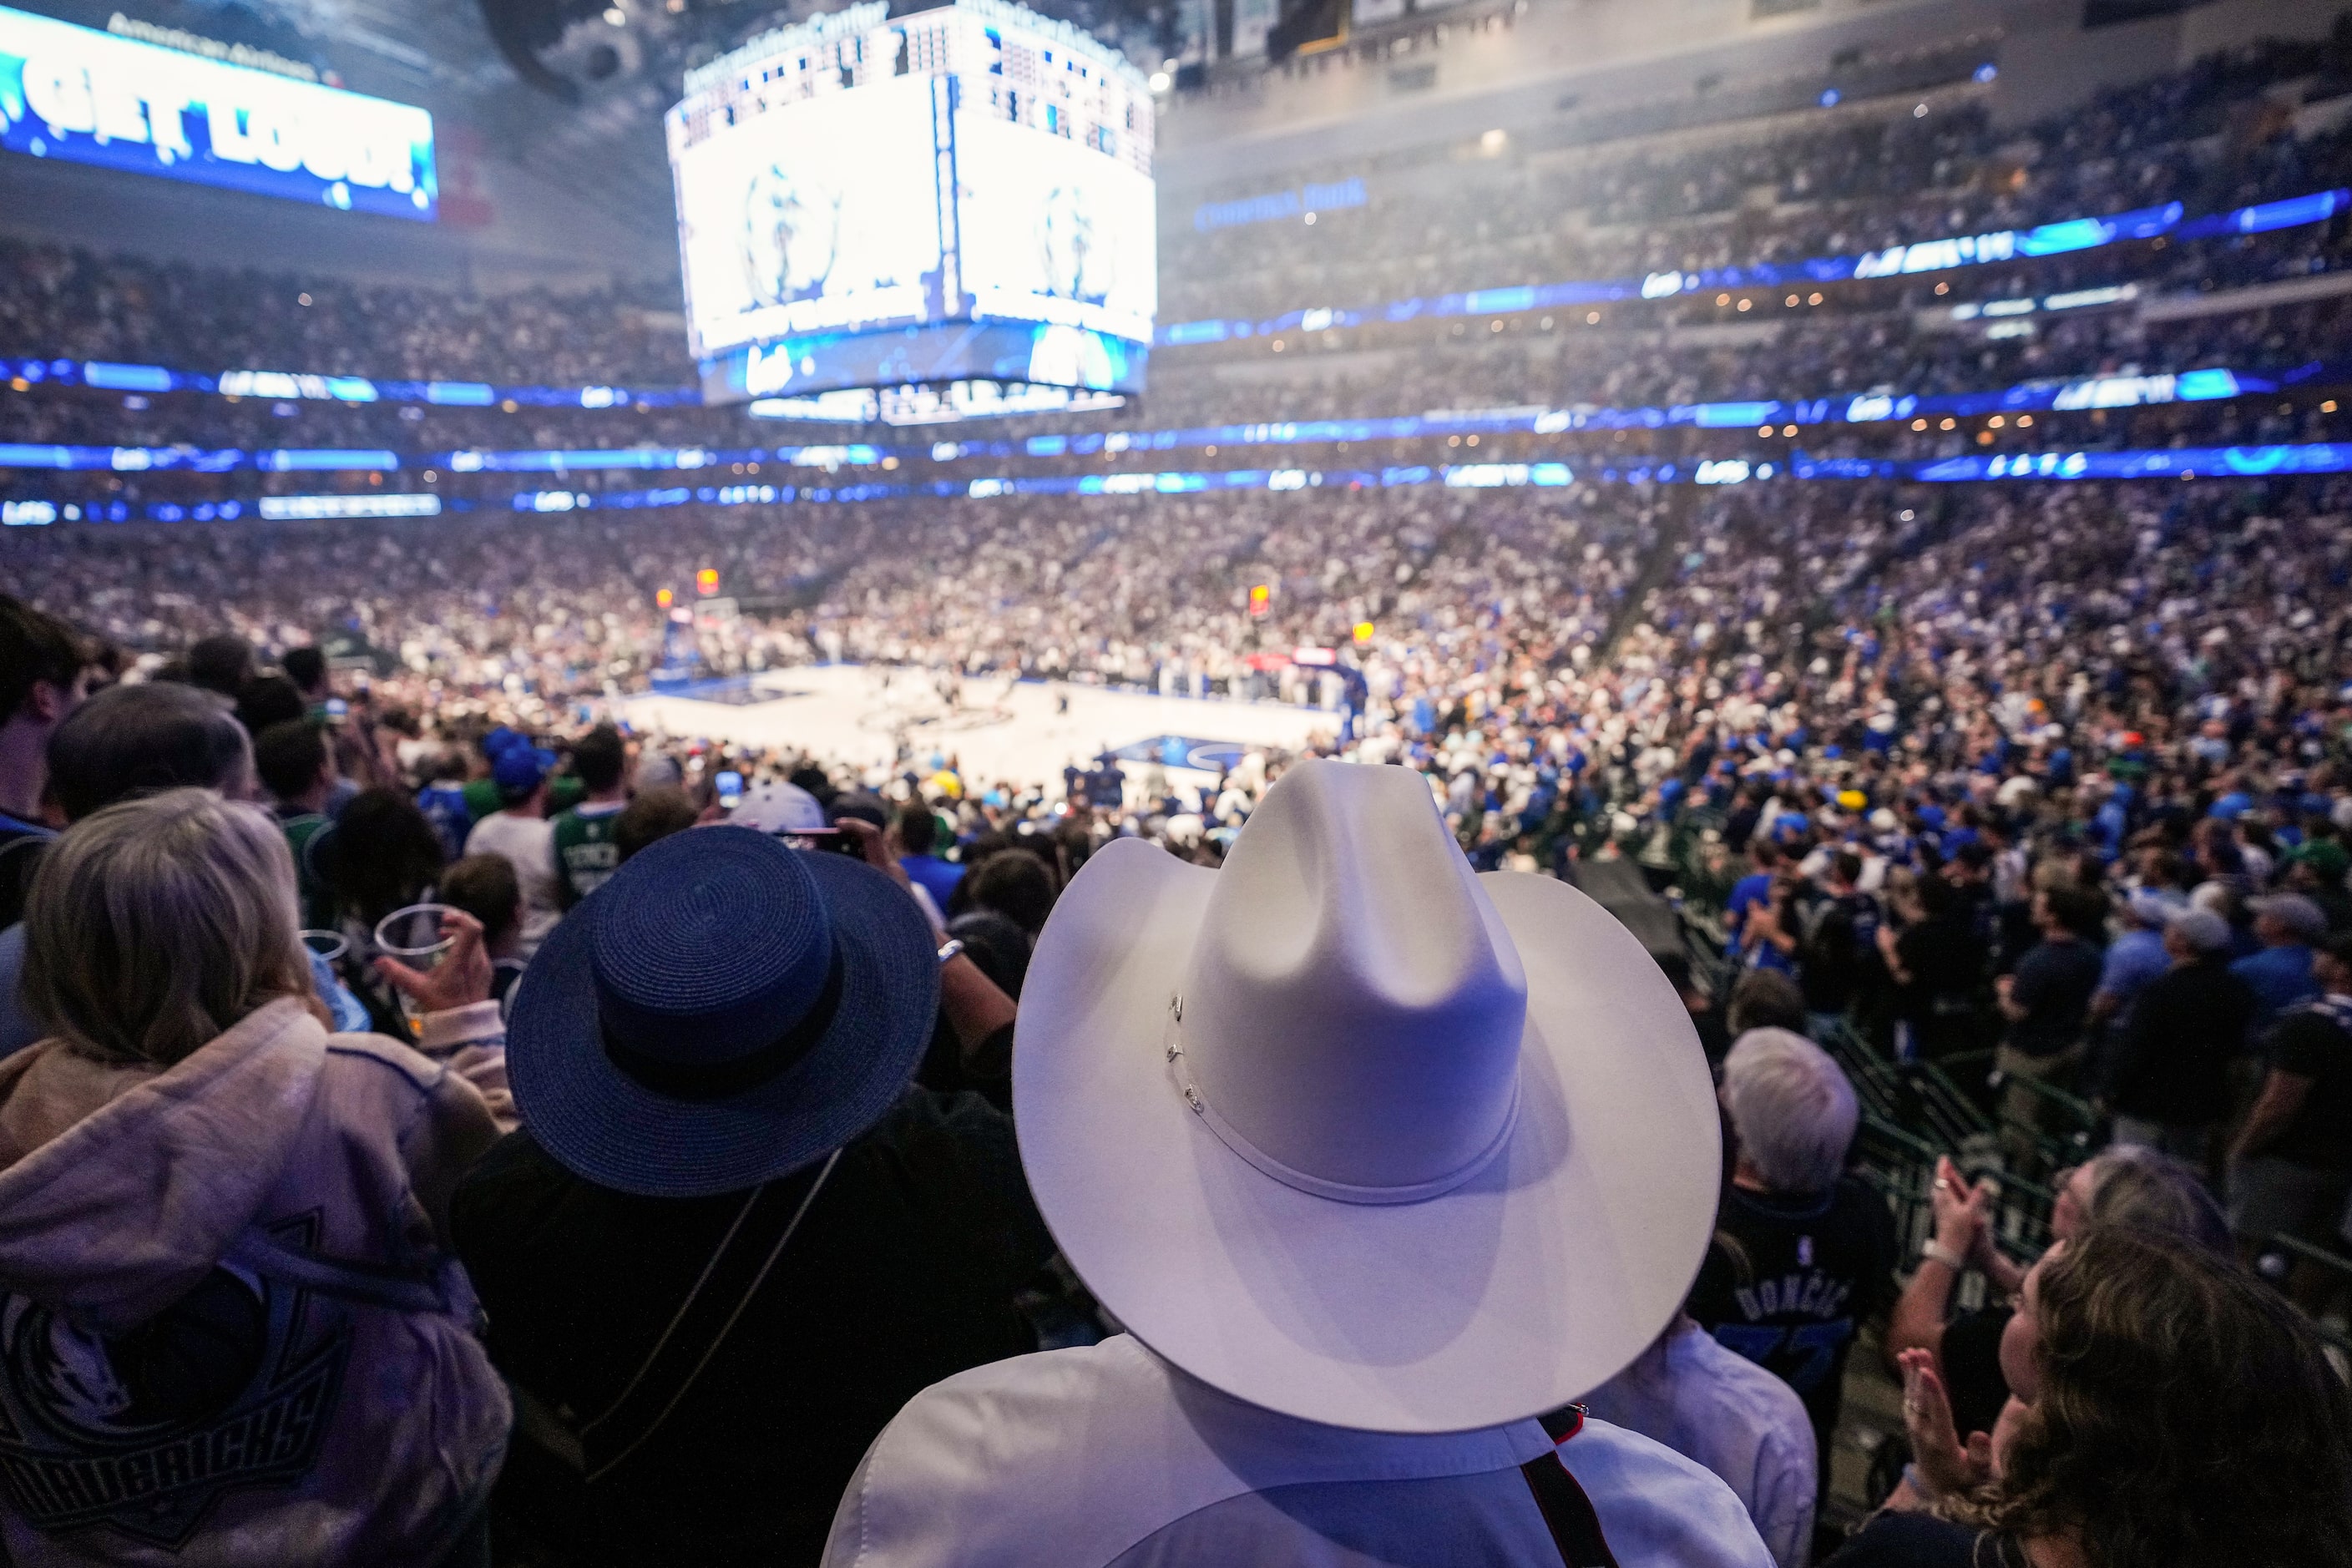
604,1126
1516,1294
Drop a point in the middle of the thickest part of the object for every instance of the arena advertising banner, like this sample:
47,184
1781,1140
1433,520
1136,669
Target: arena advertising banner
88,96
959,194
1010,351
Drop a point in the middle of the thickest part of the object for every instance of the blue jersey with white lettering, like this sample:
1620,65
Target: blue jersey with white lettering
1788,1281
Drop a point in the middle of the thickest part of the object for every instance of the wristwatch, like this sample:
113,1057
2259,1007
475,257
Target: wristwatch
1937,1252
951,947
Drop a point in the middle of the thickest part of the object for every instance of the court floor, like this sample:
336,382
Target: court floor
881,718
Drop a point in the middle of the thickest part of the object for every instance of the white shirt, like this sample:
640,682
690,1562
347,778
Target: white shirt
1108,1456
529,845
1722,1410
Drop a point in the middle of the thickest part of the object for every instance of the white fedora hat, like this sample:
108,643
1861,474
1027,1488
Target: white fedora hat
1354,1133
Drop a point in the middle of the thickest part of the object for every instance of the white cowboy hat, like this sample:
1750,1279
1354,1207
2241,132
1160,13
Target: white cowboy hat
1354,1133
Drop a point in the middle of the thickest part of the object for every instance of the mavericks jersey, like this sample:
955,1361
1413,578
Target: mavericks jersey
1787,1282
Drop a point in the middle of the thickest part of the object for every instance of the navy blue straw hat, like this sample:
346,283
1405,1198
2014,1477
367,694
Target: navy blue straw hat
721,1011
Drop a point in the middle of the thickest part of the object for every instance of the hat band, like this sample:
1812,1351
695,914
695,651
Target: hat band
718,1080
1319,1186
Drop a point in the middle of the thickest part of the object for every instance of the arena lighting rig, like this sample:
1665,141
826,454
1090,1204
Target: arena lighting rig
959,200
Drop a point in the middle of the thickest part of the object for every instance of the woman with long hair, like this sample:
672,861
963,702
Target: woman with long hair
2167,1410
235,1331
381,854
2122,1184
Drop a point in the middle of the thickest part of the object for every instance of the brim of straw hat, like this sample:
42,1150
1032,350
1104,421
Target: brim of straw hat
606,1126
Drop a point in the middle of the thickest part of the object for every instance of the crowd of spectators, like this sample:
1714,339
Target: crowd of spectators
1794,353
2217,131
1631,357
543,614
441,1121
2055,771
70,303
2220,135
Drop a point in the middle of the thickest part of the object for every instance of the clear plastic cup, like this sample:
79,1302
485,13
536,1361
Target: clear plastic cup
413,936
328,946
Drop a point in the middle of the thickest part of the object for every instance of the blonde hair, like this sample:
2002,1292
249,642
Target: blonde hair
153,926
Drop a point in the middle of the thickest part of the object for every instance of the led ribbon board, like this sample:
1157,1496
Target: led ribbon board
2240,463
961,195
88,96
1900,260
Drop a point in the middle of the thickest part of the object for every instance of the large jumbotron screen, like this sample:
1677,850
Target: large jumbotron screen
963,194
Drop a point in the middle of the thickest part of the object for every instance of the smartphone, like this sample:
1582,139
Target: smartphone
731,789
826,843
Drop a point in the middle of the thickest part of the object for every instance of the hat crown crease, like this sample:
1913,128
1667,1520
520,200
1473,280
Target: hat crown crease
1354,1006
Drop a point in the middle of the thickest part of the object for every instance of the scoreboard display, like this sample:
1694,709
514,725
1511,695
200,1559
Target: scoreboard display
959,194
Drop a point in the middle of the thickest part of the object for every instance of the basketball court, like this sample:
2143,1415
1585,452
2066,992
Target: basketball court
995,730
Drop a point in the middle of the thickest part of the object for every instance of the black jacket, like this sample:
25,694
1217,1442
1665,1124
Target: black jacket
902,1273
2186,1026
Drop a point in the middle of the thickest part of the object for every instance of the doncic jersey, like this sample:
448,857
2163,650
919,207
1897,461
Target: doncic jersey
585,854
1786,1282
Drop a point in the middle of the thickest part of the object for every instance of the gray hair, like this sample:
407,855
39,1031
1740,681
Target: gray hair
2149,1192
153,926
1791,1109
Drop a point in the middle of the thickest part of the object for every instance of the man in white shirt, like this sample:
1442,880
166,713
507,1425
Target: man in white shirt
1107,1454
1717,1407
1375,1158
520,831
